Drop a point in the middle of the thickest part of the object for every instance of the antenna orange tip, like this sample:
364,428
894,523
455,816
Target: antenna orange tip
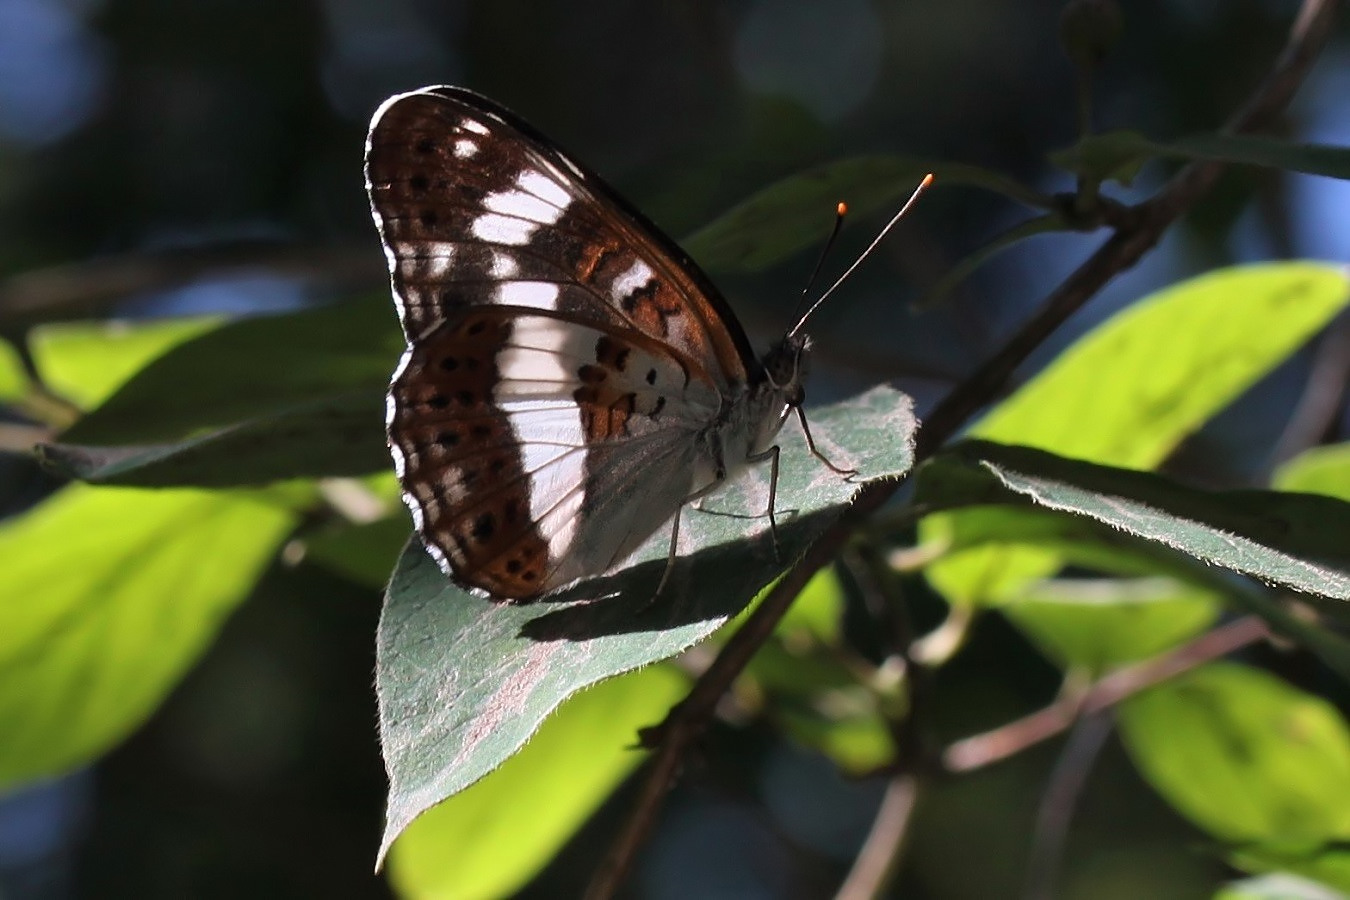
842,209
927,180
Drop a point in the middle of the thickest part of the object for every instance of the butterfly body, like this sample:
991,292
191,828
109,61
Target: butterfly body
571,379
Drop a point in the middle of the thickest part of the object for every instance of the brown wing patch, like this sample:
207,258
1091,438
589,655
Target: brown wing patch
461,464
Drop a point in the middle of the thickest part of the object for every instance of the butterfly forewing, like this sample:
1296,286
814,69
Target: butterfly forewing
475,208
565,360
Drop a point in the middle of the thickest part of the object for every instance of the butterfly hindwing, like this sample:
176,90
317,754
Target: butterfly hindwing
511,426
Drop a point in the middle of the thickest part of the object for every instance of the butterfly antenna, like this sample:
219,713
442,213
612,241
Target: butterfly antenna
923,185
839,212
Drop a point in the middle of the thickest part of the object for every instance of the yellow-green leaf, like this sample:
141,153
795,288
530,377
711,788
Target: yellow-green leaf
109,595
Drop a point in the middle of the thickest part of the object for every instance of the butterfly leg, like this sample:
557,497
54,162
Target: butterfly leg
772,455
670,558
694,499
811,444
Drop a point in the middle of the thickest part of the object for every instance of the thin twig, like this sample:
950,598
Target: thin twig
1320,404
1061,798
877,862
687,720
879,859
982,750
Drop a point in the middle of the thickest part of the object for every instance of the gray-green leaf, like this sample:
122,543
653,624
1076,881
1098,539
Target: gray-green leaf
463,682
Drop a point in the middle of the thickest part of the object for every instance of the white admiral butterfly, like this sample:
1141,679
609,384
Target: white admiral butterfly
572,379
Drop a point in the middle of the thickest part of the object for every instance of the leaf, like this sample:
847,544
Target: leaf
1111,155
990,573
804,683
966,266
1277,886
1130,391
86,362
14,381
491,839
1327,865
1244,755
247,370
818,611
340,435
800,679
1101,623
843,725
1119,154
1321,470
794,213
1291,525
365,553
1256,150
463,682
1300,541
111,595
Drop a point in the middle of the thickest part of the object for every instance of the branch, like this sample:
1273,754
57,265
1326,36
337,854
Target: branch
878,860
1061,798
1008,740
1317,410
1136,235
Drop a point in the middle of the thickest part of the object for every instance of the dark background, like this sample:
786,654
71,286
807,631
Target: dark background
138,126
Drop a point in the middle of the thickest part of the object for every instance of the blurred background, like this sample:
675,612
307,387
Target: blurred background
131,128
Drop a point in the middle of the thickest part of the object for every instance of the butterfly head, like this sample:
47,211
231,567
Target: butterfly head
785,367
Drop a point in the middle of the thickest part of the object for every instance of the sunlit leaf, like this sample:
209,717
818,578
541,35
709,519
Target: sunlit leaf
818,609
1326,865
110,595
990,574
1245,756
86,361
1130,391
1321,470
1301,541
1100,623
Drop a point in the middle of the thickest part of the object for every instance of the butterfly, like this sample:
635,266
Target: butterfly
572,379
